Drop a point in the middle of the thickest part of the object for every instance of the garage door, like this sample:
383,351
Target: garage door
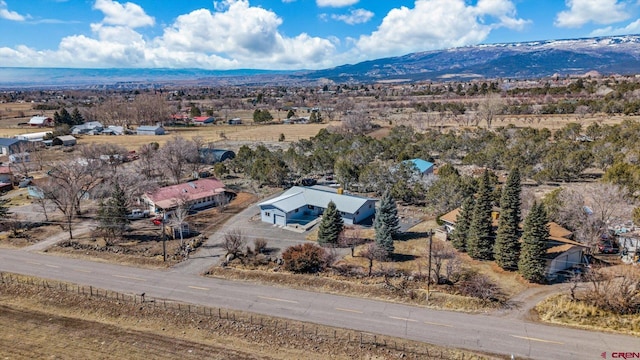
279,220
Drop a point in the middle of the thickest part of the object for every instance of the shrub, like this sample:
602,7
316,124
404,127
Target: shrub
481,287
305,258
259,245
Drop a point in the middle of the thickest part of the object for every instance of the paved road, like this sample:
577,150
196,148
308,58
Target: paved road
477,332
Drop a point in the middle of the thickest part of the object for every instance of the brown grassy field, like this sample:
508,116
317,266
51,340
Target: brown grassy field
106,327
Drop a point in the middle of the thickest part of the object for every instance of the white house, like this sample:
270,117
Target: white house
304,204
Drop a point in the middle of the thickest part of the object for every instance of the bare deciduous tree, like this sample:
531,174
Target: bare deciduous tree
590,216
373,252
489,107
175,156
441,253
233,242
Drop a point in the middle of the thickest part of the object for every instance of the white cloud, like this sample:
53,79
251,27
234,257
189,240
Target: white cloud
356,16
255,41
129,14
437,24
7,14
336,3
581,12
632,28
202,39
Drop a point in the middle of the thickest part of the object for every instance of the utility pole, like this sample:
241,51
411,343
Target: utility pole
164,241
429,268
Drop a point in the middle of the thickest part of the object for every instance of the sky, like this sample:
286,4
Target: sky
283,34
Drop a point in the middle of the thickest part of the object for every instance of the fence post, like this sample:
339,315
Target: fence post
91,290
360,338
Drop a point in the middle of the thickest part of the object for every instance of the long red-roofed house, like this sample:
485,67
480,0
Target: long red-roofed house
196,194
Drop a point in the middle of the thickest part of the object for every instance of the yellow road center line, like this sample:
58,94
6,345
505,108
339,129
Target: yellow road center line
539,340
128,277
276,299
83,270
52,266
349,310
438,324
199,288
403,319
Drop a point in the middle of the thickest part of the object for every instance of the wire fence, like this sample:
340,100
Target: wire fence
312,332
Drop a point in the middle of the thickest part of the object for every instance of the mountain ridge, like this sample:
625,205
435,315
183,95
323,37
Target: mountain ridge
534,59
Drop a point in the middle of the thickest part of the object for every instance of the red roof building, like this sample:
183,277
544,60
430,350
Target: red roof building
194,194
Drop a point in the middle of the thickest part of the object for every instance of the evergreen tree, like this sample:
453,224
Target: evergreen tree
65,118
389,213
481,235
112,214
506,250
194,111
76,117
535,232
463,220
330,226
384,238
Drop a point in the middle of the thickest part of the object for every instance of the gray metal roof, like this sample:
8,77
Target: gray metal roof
298,196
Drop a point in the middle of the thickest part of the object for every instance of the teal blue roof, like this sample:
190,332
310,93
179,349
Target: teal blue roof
421,165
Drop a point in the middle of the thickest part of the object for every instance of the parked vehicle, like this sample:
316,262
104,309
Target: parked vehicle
138,214
608,247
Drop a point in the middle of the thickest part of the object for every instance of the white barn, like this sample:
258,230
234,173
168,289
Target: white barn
303,204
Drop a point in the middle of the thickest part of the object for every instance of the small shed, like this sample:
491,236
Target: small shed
64,140
234,121
41,121
150,130
212,156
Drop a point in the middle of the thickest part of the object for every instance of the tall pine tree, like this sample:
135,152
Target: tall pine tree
112,215
388,213
76,117
463,220
330,226
384,238
506,250
535,232
481,235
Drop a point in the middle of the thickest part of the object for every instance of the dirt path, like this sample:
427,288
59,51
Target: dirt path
78,230
520,306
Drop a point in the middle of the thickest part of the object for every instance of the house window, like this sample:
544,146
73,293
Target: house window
369,206
297,210
267,214
310,207
357,212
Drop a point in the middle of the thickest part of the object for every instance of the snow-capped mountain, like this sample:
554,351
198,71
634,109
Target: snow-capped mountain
607,55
